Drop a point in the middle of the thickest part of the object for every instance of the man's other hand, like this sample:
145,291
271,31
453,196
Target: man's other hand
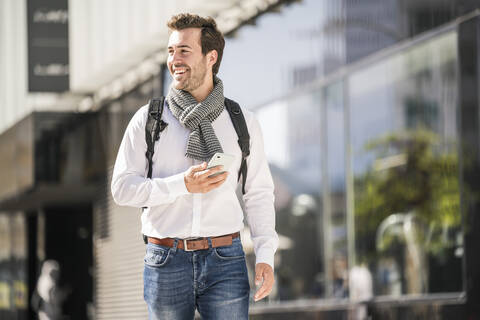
198,178
263,272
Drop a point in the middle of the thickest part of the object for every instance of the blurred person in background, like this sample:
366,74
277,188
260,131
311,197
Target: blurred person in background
194,257
361,290
340,276
48,297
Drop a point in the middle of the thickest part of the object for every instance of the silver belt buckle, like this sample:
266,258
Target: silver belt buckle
185,248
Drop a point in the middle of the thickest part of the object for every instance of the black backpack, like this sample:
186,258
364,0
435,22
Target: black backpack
155,125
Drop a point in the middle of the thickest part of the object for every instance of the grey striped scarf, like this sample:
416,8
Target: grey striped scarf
198,117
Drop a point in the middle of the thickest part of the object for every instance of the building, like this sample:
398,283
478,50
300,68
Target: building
370,118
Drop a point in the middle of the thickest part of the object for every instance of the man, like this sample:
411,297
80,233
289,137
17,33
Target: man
183,200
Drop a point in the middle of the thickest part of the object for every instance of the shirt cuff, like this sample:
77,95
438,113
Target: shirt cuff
265,256
176,185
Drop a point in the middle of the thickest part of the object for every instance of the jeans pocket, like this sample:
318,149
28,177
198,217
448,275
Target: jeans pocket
235,251
156,256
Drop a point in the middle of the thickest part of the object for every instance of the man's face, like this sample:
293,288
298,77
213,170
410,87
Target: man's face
186,63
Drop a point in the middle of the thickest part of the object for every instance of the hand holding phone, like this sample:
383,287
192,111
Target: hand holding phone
220,159
197,178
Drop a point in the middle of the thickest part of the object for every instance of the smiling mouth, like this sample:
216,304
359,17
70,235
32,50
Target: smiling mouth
180,71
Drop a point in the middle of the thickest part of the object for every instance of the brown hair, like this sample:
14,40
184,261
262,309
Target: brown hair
211,38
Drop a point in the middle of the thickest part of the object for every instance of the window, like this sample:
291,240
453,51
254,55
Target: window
403,142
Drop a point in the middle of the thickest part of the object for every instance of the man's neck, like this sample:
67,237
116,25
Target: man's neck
202,92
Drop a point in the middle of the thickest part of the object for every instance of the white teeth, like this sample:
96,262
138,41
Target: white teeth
180,71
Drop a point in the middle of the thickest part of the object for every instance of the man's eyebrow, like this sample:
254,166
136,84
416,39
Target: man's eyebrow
180,46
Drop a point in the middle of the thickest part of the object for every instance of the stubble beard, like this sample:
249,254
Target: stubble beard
196,79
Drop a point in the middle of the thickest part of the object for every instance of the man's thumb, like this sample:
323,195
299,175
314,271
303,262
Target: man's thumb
199,167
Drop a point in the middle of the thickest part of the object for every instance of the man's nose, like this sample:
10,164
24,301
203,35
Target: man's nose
175,57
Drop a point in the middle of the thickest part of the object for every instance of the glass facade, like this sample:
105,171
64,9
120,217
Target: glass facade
365,161
280,51
335,209
403,142
291,144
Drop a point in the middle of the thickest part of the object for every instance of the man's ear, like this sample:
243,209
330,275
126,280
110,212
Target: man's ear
212,57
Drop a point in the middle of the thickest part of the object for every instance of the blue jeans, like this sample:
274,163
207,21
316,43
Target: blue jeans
213,281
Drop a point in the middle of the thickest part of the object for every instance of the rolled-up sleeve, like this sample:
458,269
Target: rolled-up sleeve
259,198
129,185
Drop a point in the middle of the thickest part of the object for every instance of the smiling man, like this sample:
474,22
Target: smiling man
194,257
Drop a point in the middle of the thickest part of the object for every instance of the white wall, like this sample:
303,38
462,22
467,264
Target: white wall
109,37
13,67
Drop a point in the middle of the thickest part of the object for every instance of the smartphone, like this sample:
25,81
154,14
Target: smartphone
220,159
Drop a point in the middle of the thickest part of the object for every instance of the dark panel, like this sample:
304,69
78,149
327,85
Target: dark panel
468,48
48,66
69,148
418,310
68,240
433,307
32,221
372,25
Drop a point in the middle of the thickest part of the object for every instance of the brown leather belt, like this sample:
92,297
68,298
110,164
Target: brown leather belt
196,244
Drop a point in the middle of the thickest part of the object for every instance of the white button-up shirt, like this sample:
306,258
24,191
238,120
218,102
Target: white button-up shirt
174,212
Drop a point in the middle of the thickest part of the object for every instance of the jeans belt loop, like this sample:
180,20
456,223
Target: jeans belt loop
210,246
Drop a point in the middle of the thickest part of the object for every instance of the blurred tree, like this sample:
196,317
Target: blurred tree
414,172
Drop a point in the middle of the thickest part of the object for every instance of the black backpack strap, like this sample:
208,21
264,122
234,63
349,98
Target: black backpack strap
154,126
240,126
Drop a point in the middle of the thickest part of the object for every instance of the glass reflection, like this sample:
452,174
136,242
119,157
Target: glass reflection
405,166
293,150
335,232
281,50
